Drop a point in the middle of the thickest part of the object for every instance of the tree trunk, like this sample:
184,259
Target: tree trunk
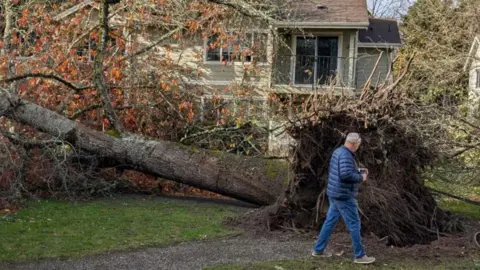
254,180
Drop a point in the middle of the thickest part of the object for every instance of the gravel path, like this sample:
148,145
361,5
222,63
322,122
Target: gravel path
192,255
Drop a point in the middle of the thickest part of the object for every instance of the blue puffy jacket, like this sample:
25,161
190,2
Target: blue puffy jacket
343,177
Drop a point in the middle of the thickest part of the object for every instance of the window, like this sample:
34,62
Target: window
316,60
86,49
252,48
25,42
477,82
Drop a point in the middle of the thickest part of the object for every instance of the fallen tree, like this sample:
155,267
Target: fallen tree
254,180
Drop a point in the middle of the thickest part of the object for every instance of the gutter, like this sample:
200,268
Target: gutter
323,25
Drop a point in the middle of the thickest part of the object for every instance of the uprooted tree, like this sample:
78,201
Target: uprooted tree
147,95
394,202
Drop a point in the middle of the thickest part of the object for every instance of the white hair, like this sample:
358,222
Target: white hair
353,137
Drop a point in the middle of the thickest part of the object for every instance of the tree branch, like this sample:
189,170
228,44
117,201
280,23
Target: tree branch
454,197
47,76
465,149
121,108
151,46
244,9
85,110
29,144
84,35
98,77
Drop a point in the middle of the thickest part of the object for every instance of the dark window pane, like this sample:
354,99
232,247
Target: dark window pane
213,48
327,59
305,59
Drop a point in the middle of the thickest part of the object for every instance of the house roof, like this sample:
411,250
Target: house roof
473,51
325,14
380,33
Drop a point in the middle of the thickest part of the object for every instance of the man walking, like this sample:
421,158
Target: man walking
344,179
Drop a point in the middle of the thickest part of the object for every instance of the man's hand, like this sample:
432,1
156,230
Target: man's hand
364,173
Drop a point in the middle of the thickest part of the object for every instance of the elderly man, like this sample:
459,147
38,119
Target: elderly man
344,179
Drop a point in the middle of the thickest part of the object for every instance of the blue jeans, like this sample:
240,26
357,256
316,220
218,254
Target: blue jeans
348,210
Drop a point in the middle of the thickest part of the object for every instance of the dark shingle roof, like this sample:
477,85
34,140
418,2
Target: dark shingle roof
382,31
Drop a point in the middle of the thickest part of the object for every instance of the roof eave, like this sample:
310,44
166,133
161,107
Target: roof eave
323,25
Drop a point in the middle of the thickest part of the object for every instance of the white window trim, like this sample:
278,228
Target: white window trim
294,49
239,63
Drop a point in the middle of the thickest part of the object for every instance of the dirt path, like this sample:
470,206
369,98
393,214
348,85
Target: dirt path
193,255
251,248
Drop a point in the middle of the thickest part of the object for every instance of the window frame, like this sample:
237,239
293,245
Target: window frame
242,61
339,56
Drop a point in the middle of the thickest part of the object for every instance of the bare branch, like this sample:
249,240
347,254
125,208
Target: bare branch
153,45
84,35
244,9
400,78
47,76
98,76
29,144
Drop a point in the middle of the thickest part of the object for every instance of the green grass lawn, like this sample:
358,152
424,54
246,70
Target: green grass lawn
457,206
460,208
44,229
345,264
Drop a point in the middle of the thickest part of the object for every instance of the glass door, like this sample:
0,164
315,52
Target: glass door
327,54
315,60
305,60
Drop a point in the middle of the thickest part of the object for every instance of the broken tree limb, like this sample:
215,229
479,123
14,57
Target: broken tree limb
454,196
254,180
47,76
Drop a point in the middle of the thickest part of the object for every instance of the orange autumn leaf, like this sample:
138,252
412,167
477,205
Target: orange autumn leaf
116,73
164,85
23,21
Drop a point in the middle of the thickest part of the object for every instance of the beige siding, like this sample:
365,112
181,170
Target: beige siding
191,53
367,57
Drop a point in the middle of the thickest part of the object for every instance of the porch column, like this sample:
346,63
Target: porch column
351,59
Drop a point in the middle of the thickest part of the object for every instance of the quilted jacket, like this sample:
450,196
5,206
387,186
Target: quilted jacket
343,176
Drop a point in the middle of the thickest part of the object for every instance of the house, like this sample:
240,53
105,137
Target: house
319,44
316,44
328,44
337,42
313,45
472,67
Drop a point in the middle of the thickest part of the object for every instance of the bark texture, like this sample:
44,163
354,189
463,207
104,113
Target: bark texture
254,180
